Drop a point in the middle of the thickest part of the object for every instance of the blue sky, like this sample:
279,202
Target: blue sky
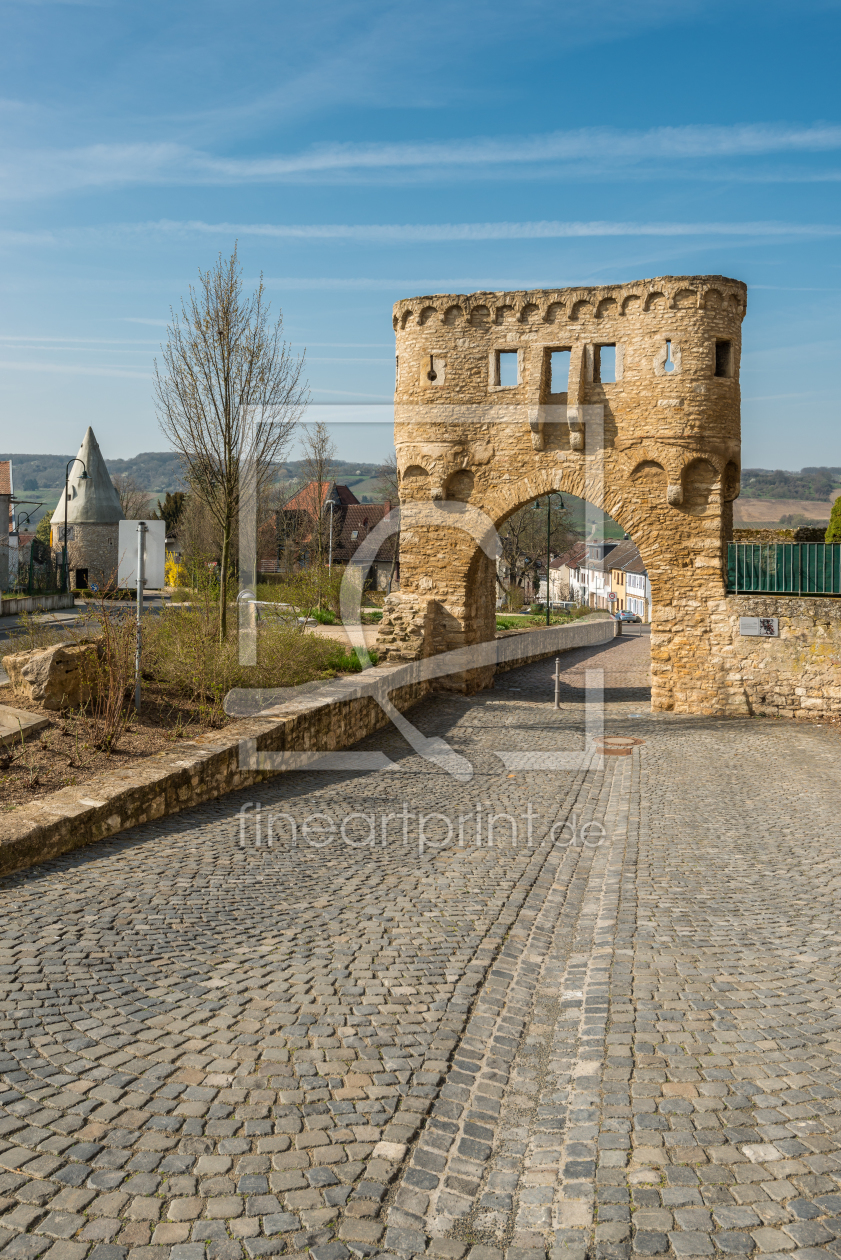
364,152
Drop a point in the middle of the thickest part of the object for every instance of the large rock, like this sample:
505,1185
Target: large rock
57,677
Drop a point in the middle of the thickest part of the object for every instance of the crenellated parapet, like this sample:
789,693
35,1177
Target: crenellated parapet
556,306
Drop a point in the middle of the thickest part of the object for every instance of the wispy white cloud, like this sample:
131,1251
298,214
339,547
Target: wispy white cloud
75,369
584,152
545,229
75,342
136,319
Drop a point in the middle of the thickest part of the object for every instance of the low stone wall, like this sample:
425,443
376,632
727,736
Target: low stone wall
797,675
326,719
802,533
35,603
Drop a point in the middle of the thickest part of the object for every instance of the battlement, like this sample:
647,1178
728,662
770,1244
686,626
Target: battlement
487,309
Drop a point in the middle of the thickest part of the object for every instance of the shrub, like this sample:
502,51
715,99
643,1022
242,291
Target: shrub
833,532
182,650
176,573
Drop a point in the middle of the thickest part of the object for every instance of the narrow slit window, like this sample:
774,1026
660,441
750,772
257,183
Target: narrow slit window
669,365
397,369
604,367
507,373
559,371
722,358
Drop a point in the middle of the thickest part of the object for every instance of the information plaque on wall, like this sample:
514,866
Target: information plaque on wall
764,627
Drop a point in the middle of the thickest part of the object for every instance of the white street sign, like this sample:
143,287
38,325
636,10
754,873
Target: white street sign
764,627
154,571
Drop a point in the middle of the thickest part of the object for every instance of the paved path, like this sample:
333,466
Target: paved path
619,1037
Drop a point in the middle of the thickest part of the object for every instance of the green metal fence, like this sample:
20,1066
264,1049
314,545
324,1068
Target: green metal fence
784,568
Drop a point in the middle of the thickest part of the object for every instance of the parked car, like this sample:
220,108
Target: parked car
624,615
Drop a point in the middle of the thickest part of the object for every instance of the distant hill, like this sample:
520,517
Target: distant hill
154,470
809,483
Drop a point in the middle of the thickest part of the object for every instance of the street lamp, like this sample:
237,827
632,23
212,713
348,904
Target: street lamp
83,476
331,505
548,546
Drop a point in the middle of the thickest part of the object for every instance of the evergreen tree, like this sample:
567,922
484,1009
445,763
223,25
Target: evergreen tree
833,533
170,510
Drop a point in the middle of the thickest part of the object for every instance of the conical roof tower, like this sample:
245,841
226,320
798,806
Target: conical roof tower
92,501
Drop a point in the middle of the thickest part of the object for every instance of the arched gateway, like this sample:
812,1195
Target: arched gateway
483,418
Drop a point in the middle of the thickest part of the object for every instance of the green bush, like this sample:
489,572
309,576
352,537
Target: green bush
833,532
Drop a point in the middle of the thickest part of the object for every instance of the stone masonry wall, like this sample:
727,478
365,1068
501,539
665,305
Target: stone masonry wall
334,717
93,547
659,449
797,675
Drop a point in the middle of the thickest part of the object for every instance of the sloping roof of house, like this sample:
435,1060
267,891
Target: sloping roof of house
360,519
625,555
92,501
572,558
307,499
5,476
635,565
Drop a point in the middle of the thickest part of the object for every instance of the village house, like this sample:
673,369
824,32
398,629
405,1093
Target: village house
346,524
590,571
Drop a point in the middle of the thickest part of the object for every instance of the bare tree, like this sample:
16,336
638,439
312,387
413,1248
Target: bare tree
523,538
319,468
388,485
229,393
134,500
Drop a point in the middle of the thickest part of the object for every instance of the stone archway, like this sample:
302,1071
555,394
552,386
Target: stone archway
658,448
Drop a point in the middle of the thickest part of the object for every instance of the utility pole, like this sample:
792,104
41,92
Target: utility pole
141,579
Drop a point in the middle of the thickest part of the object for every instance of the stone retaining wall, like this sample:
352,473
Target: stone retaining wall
35,603
797,675
332,717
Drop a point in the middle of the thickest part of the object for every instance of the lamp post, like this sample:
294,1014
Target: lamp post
82,477
549,547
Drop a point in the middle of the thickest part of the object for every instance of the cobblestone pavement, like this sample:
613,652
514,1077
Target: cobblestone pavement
620,1037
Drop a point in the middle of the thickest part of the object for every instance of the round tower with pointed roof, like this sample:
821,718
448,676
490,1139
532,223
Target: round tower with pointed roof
93,516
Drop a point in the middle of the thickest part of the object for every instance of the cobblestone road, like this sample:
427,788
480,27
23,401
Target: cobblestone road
620,1036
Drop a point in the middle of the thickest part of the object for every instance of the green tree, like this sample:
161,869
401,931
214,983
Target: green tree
833,533
170,510
42,531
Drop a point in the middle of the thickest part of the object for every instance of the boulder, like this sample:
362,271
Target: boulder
57,677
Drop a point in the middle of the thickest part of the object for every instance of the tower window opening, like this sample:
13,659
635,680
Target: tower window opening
669,365
507,369
559,371
722,358
604,364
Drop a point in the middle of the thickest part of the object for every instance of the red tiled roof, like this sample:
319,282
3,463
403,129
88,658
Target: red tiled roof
307,498
5,476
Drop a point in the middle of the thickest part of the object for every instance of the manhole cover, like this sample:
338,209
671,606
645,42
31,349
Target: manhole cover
616,745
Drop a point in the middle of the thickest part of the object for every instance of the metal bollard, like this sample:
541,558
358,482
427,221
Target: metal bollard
557,682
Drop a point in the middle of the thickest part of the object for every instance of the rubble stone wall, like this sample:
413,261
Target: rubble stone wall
797,675
94,547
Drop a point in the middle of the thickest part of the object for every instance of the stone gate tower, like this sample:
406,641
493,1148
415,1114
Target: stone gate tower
483,419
